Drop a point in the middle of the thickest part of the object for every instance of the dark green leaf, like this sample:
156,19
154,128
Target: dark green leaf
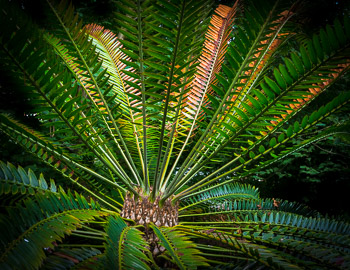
273,85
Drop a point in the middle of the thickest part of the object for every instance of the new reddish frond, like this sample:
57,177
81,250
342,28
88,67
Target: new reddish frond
285,15
215,47
112,46
314,91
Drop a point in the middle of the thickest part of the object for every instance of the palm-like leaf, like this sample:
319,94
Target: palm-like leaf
110,52
321,240
125,246
164,119
251,121
52,217
214,197
179,249
18,181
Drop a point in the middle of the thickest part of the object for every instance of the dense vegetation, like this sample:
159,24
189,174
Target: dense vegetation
152,134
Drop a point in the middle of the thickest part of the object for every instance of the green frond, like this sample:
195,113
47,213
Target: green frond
295,129
50,84
218,195
85,65
170,30
322,241
243,206
51,155
271,225
17,181
113,59
180,250
264,112
134,31
125,246
40,222
200,88
187,32
218,130
240,250
109,49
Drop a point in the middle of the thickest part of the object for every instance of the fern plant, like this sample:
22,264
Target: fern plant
156,128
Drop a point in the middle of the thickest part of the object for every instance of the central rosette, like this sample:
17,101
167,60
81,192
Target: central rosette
143,211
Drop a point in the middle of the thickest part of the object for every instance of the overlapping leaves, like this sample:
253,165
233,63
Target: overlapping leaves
43,220
269,105
119,113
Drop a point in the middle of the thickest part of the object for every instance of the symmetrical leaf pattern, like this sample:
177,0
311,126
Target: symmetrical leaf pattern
166,114
17,180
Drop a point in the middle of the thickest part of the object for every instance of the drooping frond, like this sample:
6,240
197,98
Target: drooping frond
179,249
51,218
125,247
318,243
